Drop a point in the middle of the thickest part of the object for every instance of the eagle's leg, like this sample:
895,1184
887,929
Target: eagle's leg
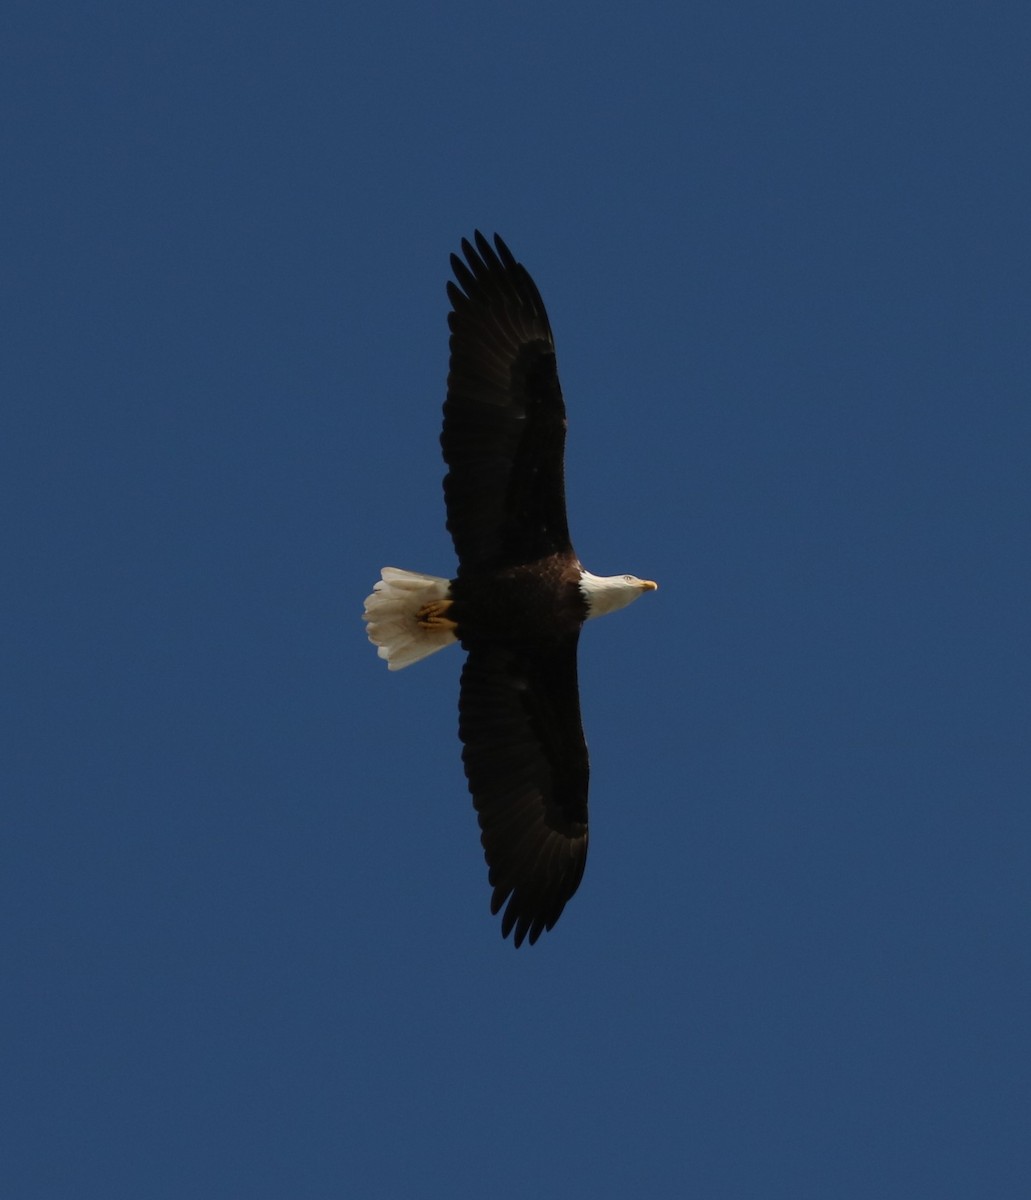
432,616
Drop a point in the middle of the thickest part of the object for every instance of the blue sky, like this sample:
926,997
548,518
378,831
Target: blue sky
245,926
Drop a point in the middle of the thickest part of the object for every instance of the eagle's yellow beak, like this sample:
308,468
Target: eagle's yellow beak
648,585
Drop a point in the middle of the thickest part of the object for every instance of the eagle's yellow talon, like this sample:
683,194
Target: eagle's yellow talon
432,616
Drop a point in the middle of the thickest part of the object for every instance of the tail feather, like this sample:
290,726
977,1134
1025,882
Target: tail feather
390,616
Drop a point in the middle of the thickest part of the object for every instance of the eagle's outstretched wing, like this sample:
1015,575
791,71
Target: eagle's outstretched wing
504,419
526,761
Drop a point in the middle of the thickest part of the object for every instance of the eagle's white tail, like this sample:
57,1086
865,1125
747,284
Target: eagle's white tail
390,613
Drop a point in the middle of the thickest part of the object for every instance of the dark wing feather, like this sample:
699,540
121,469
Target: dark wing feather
526,762
504,419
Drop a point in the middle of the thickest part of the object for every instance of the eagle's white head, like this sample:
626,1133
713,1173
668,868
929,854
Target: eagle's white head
606,593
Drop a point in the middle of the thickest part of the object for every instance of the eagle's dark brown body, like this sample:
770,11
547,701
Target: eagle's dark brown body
533,604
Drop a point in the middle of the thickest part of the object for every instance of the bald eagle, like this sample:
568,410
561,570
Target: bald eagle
520,597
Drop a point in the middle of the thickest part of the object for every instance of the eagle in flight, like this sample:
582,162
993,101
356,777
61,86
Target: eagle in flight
520,596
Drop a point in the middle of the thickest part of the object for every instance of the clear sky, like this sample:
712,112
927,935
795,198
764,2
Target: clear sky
246,943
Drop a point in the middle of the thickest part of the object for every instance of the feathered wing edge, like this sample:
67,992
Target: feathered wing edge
526,762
